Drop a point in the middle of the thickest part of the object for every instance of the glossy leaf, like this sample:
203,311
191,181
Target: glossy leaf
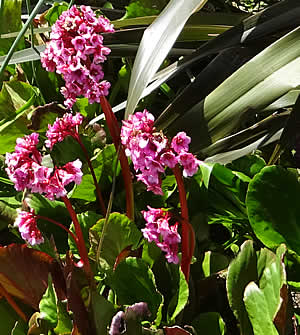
241,271
134,282
120,233
48,308
258,312
250,165
55,11
102,167
102,311
64,322
180,299
273,209
155,45
24,272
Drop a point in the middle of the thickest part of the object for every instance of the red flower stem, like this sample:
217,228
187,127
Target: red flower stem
12,303
99,195
187,232
80,241
114,130
59,225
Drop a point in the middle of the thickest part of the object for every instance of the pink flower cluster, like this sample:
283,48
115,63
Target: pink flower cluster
151,151
63,127
159,231
76,51
25,169
26,222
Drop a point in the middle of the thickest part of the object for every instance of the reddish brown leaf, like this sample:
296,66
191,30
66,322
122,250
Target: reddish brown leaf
175,331
24,272
75,301
281,316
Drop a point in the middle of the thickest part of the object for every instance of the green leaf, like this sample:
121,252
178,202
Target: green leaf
10,21
102,311
64,322
55,11
85,108
48,309
250,165
168,186
241,271
180,299
8,320
7,215
20,35
102,164
134,282
140,8
211,322
258,311
206,170
273,207
120,233
67,151
155,45
86,221
272,275
16,100
214,262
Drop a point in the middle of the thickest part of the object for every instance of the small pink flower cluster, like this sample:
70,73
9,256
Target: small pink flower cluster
26,222
151,151
159,231
63,127
25,169
76,50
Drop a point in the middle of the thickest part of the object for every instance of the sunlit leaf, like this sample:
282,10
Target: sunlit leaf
240,272
257,309
155,45
120,233
48,309
274,214
24,272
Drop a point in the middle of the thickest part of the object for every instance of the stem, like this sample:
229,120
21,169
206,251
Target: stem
114,129
12,303
99,248
80,241
99,195
59,225
187,231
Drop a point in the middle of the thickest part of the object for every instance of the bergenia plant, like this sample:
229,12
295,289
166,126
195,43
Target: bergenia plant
119,228
76,51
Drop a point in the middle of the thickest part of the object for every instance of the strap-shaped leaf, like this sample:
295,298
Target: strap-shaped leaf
155,45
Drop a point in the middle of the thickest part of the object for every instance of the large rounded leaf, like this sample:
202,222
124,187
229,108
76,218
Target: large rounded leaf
274,208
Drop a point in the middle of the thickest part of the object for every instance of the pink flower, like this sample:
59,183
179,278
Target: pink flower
151,152
169,159
159,231
26,222
181,142
71,172
75,51
190,164
25,169
63,127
